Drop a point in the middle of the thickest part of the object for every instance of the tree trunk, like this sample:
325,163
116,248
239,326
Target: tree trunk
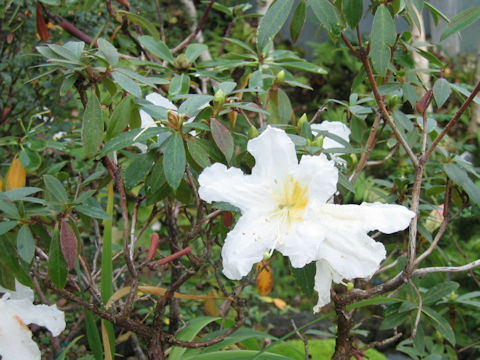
345,340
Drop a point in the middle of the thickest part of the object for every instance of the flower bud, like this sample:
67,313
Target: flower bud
422,105
181,62
252,132
350,286
267,256
219,98
280,76
452,297
318,142
303,119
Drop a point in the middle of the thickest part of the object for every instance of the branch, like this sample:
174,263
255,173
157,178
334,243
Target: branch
436,269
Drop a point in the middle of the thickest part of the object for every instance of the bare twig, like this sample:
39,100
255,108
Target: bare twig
303,338
436,269
419,310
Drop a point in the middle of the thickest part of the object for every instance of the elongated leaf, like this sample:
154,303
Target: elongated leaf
353,10
129,138
92,211
25,244
57,268
439,291
68,244
189,333
198,153
273,21
8,257
441,91
157,48
441,324
193,51
106,287
237,354
461,21
223,138
460,177
120,117
327,14
138,169
142,22
21,193
6,226
108,50
298,20
127,84
92,126
174,160
382,38
55,189
93,336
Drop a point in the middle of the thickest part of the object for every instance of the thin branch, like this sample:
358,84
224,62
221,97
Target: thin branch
192,36
303,338
419,311
435,269
376,344
160,20
386,158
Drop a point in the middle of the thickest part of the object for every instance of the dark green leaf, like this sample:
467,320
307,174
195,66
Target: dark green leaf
441,91
460,177
21,193
439,291
129,138
9,209
273,21
198,153
156,187
25,244
108,50
30,160
298,20
194,104
394,319
179,85
193,51
93,337
157,48
55,189
57,268
127,84
327,14
305,278
8,257
143,23
461,21
120,117
174,160
441,324
353,10
92,211
382,38
223,138
92,126
6,226
138,169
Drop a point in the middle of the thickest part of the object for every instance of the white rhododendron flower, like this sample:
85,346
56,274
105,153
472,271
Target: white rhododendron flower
16,311
285,207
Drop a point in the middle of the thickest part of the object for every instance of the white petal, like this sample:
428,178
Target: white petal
334,127
146,120
217,183
274,154
323,283
245,245
15,337
321,175
388,218
42,315
159,100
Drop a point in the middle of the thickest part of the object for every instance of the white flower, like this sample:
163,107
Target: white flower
336,128
284,206
17,310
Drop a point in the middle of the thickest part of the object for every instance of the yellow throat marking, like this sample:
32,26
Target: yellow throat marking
292,199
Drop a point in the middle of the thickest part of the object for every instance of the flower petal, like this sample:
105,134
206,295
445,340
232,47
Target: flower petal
245,245
334,127
321,175
388,218
217,183
323,283
274,154
15,337
42,315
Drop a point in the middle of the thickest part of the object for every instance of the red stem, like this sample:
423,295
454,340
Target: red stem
174,256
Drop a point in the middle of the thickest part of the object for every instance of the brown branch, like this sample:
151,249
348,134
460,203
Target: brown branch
192,36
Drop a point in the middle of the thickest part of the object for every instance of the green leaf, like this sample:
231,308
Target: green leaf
223,138
273,21
197,153
138,169
305,278
106,280
439,291
57,267
382,38
25,244
441,324
179,85
441,91
6,226
93,337
194,104
142,22
460,177
9,209
21,193
127,84
92,211
129,138
8,257
55,189
156,187
237,354
108,50
461,21
30,160
157,48
327,14
303,65
120,117
174,160
189,333
394,319
193,51
436,14
298,20
92,126
353,10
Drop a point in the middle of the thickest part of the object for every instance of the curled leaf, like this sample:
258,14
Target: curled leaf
16,176
264,278
68,243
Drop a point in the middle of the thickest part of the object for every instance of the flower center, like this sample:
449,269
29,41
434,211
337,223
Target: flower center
292,199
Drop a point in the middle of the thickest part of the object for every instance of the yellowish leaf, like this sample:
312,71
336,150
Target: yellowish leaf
106,342
264,278
123,337
16,176
279,303
210,308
